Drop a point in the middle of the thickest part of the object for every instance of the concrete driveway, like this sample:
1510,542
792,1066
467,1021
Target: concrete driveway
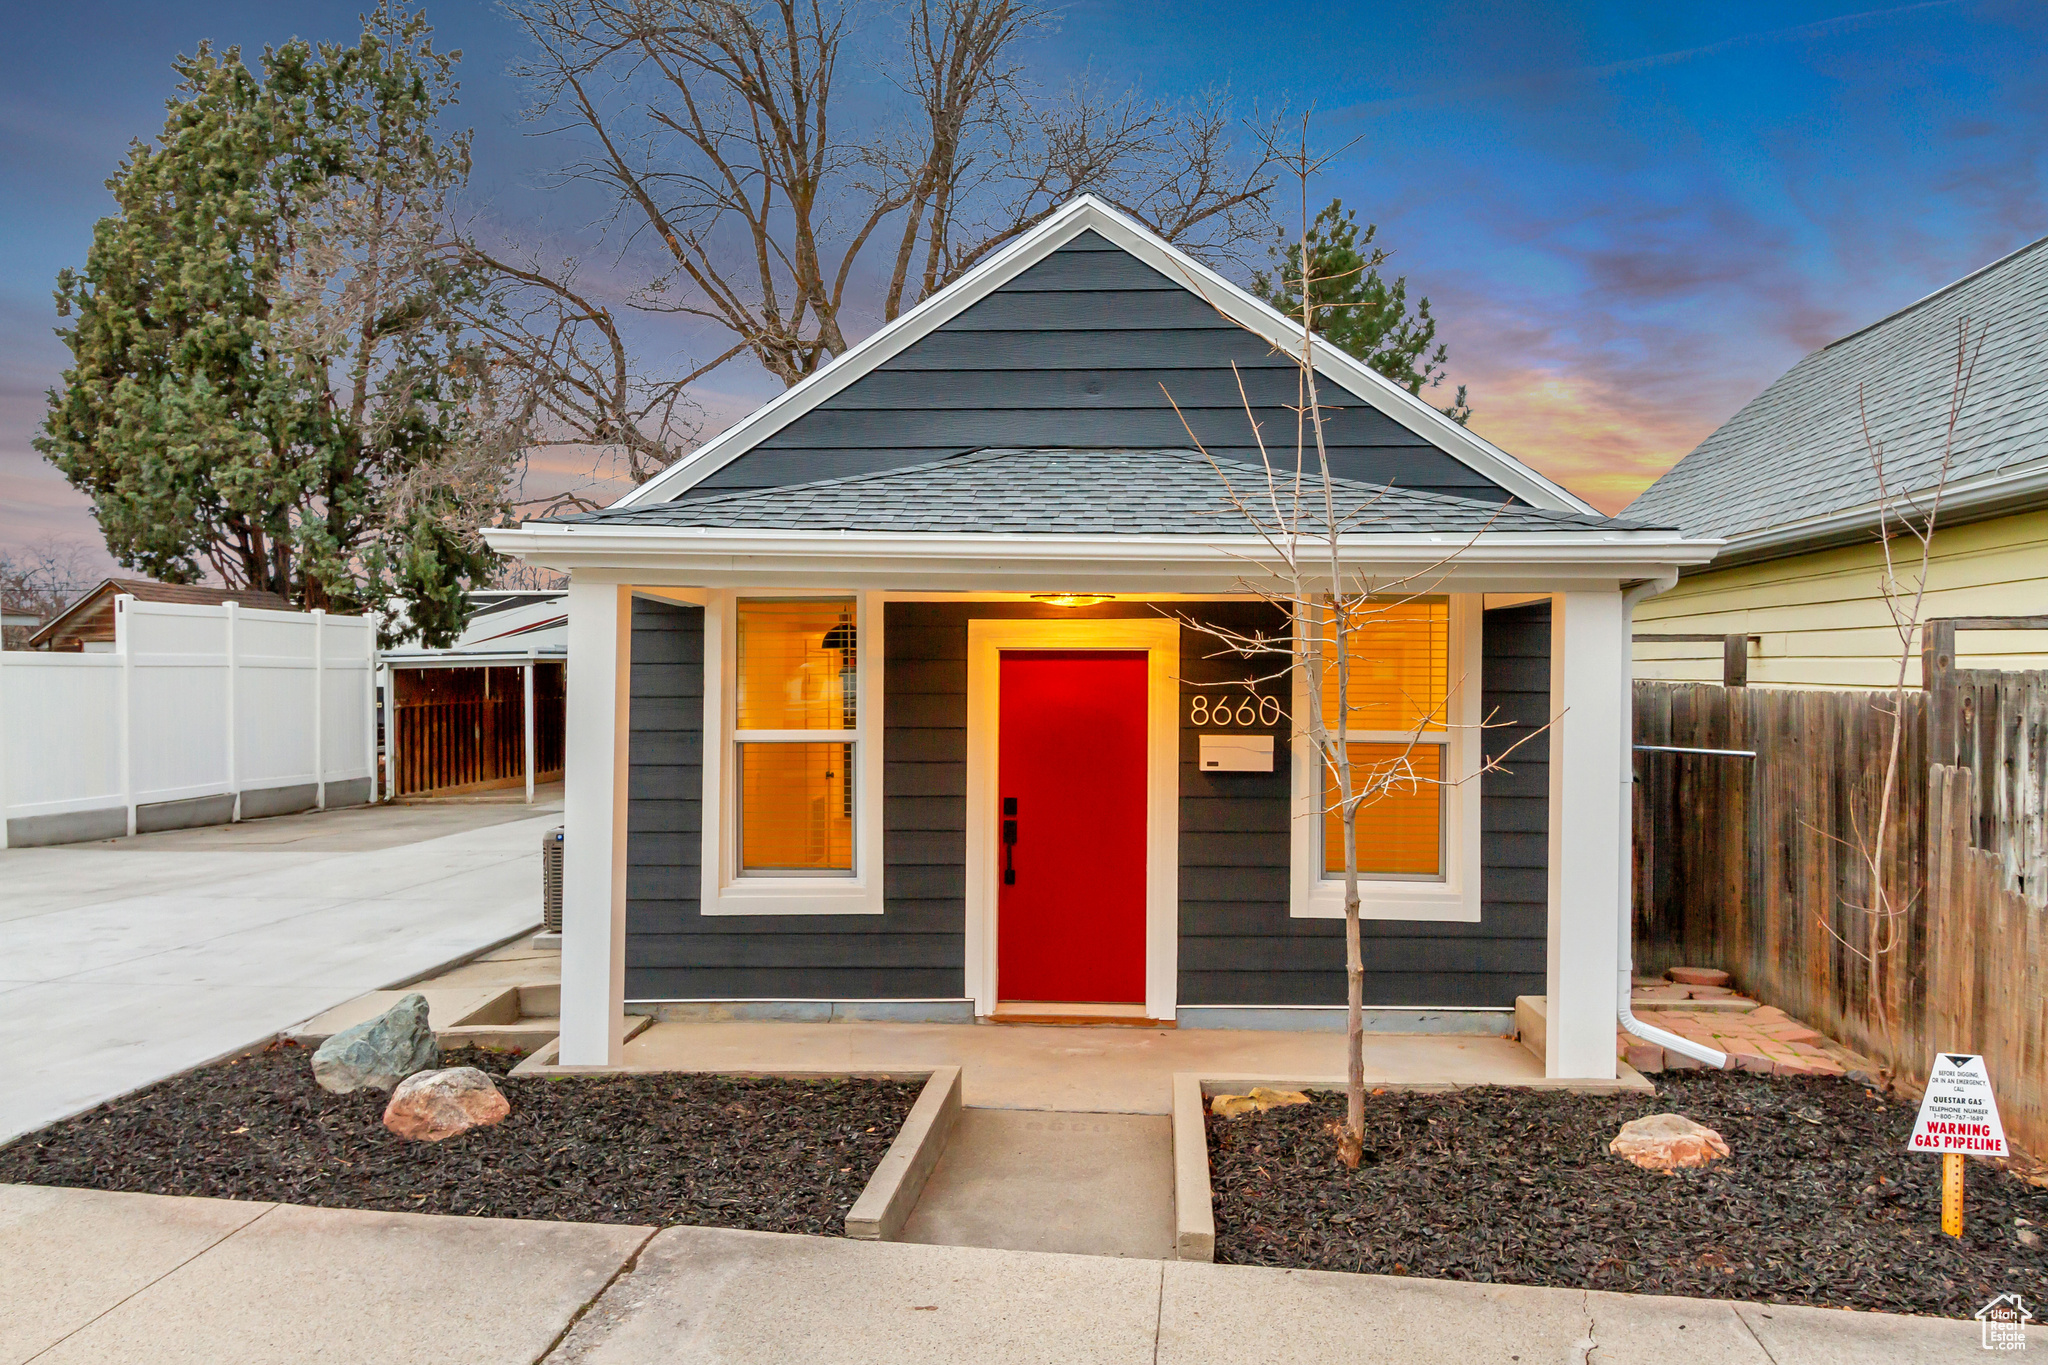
129,960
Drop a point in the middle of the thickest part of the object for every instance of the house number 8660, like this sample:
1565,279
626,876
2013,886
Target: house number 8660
1265,711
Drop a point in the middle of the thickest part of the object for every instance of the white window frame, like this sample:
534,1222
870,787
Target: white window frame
1453,898
725,890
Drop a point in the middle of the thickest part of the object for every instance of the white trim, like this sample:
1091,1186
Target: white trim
1455,898
1160,639
1070,221
597,737
1589,786
724,891
1998,492
1496,561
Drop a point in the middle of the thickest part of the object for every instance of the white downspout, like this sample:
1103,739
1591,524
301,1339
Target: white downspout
1671,1042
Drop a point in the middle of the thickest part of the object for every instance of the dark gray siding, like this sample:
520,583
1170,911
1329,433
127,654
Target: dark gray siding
1239,945
675,953
1083,350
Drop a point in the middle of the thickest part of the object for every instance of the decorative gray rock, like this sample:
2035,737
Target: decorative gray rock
379,1052
434,1105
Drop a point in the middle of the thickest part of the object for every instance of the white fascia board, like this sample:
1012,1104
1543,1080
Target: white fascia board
1231,302
1496,561
2000,492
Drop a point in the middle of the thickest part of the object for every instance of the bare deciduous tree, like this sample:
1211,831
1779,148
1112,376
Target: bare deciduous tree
40,579
1301,520
568,377
1908,515
713,123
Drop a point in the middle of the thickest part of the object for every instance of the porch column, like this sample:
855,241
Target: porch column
594,814
1588,653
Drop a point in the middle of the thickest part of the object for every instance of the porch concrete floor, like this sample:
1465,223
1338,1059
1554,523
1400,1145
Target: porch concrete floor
1073,1069
1099,1184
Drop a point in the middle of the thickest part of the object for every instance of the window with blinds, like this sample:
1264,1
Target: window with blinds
1396,726
796,722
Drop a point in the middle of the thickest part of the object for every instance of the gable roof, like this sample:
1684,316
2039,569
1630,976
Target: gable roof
1792,471
1355,382
1077,492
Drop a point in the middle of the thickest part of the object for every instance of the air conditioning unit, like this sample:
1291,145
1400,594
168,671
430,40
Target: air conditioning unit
551,881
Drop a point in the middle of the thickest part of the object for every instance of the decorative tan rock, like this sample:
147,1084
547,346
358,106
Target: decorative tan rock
1262,1097
432,1105
1699,976
379,1052
1665,1142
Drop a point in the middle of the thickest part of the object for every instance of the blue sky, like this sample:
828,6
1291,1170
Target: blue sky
1629,218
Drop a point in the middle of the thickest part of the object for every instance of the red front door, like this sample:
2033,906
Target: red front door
1070,908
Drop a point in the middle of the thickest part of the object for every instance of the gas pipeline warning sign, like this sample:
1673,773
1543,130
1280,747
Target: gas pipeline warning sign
1958,1113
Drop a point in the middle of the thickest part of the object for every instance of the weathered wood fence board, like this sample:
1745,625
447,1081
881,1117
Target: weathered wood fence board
1759,866
1988,990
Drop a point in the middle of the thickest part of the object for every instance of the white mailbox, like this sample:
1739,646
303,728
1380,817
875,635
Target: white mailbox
1237,753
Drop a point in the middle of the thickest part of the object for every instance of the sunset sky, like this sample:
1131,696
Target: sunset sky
1628,218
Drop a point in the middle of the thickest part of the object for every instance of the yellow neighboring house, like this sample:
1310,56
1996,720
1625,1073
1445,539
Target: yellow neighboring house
1790,482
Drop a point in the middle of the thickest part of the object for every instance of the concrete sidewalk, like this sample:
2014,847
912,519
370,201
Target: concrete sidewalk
95,1277
133,959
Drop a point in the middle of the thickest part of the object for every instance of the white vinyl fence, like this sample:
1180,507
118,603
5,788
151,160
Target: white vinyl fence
201,715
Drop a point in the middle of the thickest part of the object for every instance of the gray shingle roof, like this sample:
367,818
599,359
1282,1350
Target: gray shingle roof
1071,492
1797,450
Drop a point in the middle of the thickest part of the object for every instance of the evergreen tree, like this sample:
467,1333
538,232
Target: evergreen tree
1355,308
268,376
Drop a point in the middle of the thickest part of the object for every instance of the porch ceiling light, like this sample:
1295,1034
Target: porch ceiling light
1073,599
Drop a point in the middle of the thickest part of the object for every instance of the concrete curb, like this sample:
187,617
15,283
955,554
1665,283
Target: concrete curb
1194,1212
883,1207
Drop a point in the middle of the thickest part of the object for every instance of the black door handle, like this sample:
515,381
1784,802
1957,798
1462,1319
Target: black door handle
1009,842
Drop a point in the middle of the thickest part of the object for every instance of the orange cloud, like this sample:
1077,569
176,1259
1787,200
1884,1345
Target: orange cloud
1602,442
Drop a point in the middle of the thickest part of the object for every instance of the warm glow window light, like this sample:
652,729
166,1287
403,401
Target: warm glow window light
1397,706
796,710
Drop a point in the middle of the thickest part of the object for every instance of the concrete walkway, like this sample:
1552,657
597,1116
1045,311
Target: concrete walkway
97,1277
133,959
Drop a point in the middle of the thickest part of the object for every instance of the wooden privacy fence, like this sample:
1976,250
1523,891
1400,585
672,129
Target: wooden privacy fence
464,729
1756,865
1987,946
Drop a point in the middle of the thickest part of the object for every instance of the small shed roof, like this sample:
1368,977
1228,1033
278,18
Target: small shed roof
90,619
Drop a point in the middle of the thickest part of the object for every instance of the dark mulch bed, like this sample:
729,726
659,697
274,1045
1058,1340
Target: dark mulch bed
770,1155
1818,1205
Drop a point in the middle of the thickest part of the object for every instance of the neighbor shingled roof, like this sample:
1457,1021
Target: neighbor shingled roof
1798,451
1073,492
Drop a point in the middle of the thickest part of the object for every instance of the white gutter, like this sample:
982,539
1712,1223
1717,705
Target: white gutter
1997,493
1649,1033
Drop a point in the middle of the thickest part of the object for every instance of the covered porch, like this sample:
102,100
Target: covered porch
1235,921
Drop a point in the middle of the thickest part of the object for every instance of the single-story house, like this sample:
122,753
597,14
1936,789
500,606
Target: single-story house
87,625
893,700
1790,483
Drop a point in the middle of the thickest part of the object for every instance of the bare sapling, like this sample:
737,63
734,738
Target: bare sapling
1906,517
1304,561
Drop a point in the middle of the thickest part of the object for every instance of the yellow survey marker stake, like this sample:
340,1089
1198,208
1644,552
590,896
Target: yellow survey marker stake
1952,1193
1958,1118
